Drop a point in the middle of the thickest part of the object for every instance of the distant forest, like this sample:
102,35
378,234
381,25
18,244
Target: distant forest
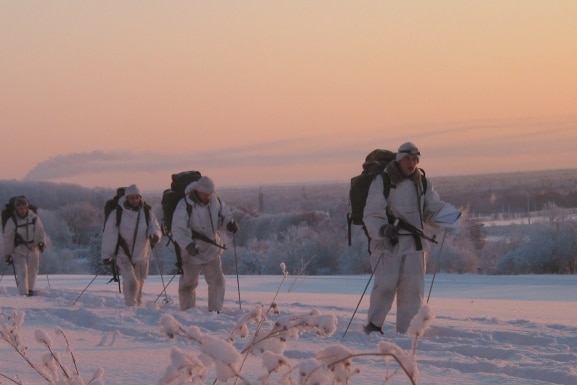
513,223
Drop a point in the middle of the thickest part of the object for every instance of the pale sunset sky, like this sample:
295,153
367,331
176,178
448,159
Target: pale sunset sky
112,92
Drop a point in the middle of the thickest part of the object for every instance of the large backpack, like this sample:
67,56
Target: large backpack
112,205
170,199
9,208
375,163
173,195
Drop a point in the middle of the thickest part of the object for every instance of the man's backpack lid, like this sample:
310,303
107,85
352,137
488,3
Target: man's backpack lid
184,178
377,160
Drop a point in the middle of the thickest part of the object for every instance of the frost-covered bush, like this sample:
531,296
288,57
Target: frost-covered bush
546,249
331,365
51,367
266,340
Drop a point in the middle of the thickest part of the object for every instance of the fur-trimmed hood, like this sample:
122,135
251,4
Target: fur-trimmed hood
394,171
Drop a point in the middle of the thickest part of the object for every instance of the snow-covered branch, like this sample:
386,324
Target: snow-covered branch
51,366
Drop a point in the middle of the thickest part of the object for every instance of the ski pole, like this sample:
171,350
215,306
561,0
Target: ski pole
438,264
118,278
164,288
82,292
362,295
14,270
236,266
166,299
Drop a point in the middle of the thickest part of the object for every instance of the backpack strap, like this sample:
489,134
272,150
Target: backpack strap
391,217
33,222
176,246
118,214
424,180
189,211
189,206
147,209
386,184
220,209
18,240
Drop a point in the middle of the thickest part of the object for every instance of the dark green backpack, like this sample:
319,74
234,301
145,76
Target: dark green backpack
170,199
173,195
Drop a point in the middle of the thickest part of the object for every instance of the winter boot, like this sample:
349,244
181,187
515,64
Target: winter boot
371,327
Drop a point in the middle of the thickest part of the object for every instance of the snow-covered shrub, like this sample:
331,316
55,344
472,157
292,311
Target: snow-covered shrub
266,340
51,367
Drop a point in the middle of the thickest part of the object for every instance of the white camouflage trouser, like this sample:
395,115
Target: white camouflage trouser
133,277
188,283
402,275
26,263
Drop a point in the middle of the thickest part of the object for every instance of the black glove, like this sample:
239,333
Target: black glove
153,240
8,259
107,261
232,226
41,247
390,232
191,249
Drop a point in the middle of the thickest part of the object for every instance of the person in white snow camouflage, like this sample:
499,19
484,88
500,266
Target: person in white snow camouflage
397,254
129,243
196,224
24,239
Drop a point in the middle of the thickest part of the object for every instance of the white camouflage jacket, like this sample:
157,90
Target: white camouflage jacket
207,219
29,228
137,246
406,201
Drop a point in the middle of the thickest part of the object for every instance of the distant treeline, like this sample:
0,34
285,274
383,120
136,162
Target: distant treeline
510,192
305,226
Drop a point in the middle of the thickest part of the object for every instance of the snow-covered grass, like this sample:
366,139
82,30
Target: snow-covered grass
486,330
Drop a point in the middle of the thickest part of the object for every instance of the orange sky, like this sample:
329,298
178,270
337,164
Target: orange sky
106,93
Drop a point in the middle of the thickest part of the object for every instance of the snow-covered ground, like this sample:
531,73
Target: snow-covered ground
487,329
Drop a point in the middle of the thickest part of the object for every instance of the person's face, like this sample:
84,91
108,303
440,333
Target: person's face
22,211
133,200
409,164
204,198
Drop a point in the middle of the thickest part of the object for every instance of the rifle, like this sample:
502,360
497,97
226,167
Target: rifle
413,230
204,238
